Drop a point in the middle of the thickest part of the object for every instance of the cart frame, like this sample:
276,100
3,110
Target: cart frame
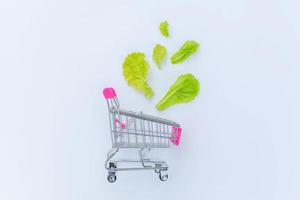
137,130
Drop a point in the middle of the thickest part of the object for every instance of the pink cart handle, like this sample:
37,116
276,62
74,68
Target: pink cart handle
176,134
109,93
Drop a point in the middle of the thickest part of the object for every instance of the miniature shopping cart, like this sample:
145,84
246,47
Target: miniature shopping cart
137,130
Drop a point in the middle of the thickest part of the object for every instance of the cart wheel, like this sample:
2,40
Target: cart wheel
163,177
157,171
111,177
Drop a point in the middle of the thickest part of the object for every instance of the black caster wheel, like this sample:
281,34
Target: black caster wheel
157,171
111,177
163,177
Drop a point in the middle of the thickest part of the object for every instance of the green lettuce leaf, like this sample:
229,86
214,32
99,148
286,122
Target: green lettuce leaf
184,90
135,70
159,53
164,28
185,51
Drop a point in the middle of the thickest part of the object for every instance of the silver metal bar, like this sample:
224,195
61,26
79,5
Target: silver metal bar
160,165
110,125
136,136
137,146
152,138
110,154
144,133
159,136
126,126
170,133
132,130
142,159
149,132
164,133
140,168
114,131
147,117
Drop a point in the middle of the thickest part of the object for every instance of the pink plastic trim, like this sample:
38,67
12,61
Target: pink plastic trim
109,93
176,133
119,122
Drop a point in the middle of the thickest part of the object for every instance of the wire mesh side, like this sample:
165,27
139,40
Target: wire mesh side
139,132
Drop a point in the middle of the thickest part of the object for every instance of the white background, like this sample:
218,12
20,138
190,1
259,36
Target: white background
241,135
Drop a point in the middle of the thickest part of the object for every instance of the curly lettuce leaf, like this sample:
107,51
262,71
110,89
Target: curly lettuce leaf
135,70
159,54
184,90
185,51
164,28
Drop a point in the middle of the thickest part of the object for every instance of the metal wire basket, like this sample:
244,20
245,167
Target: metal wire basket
137,130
